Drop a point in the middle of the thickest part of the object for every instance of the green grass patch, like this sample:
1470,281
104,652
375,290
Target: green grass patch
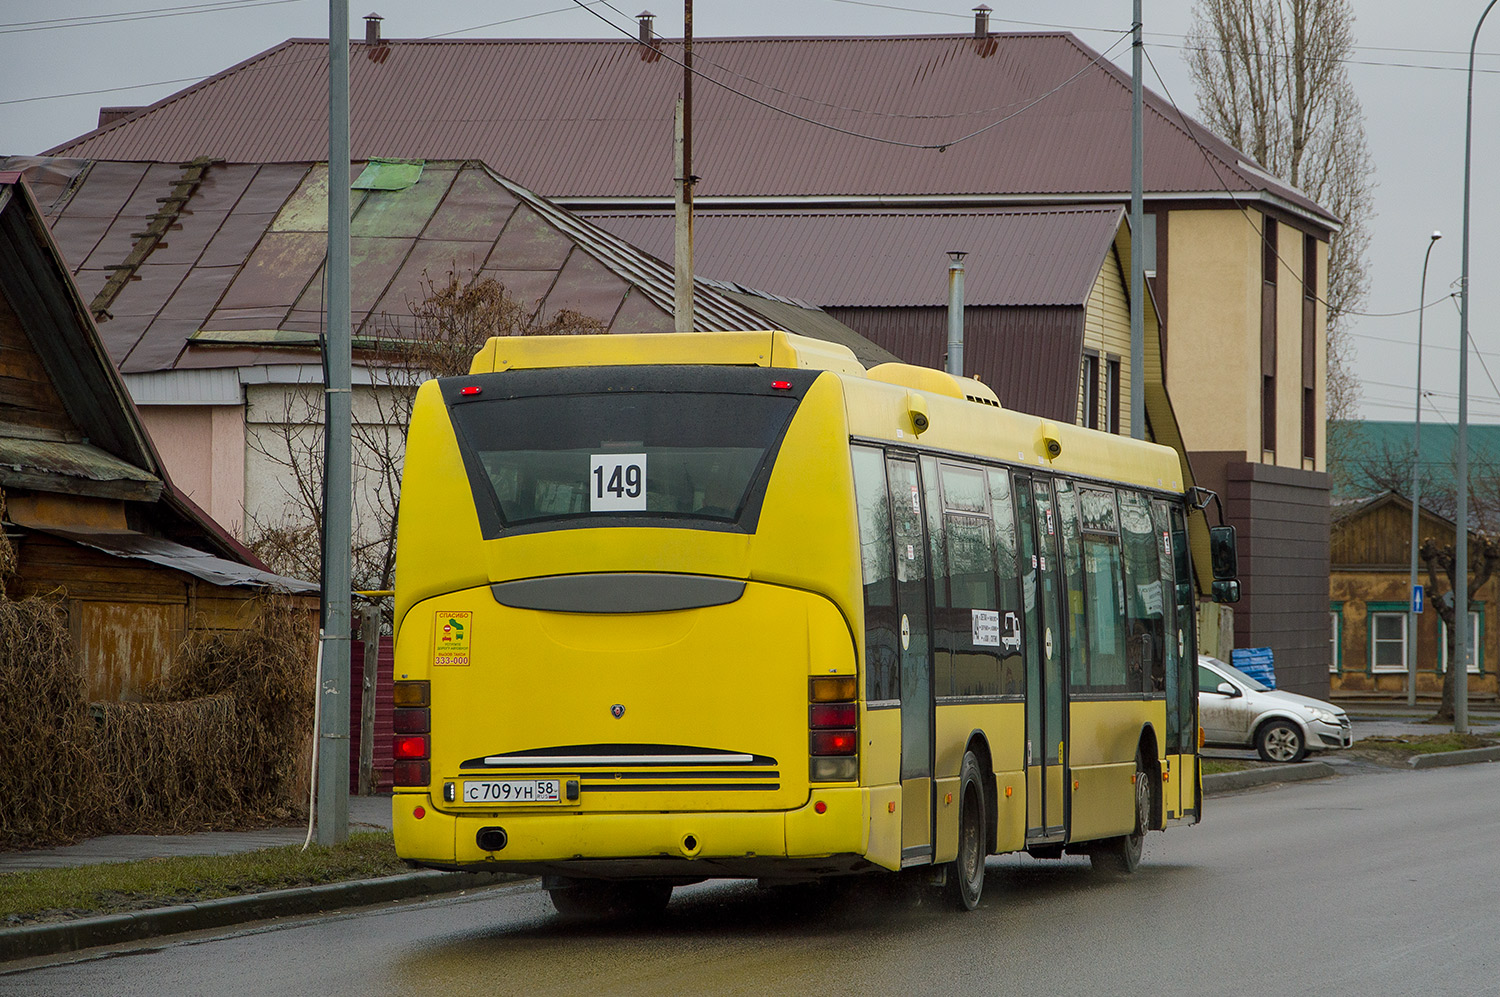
117,887
1218,766
1424,744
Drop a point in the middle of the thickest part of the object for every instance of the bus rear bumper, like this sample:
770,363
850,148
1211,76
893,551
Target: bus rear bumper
796,843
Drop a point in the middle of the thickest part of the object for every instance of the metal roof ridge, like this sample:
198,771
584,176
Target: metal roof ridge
641,269
168,99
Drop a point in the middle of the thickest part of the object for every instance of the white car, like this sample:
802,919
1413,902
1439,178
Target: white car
1237,711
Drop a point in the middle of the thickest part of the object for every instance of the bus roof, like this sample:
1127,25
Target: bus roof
878,405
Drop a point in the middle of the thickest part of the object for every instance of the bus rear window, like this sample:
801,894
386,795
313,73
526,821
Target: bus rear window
663,454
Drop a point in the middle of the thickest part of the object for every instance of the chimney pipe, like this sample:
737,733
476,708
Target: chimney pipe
981,22
956,312
648,37
372,28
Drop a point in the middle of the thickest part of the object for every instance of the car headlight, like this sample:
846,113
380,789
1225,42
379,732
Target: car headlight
1323,715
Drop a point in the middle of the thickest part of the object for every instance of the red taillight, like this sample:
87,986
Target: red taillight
409,746
781,385
471,390
832,742
405,720
411,773
833,715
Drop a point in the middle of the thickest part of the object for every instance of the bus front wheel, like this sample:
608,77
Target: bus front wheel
1123,854
966,877
594,898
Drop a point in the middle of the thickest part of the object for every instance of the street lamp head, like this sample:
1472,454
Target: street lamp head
1436,236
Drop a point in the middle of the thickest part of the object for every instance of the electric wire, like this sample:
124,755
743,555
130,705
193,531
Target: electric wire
148,14
934,146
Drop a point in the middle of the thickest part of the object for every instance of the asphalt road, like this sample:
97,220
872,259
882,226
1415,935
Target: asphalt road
1380,883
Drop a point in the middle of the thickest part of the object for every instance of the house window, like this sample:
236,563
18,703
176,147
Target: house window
1475,650
1112,395
1336,639
1268,259
1387,642
1309,346
1091,390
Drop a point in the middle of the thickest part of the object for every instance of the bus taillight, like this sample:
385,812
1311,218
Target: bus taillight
833,734
410,746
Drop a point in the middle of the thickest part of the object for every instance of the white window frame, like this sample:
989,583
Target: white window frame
1376,641
1476,651
1336,641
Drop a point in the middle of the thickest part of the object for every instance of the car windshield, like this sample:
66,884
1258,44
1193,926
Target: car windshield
1254,685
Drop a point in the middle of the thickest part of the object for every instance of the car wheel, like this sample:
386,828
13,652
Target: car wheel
1123,854
966,877
1281,741
590,899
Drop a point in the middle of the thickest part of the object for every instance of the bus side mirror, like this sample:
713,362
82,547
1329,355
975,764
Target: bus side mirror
1225,559
1221,546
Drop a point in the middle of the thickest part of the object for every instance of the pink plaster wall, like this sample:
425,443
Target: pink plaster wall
203,448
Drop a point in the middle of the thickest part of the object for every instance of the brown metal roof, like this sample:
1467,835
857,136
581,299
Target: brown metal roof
851,258
593,118
238,277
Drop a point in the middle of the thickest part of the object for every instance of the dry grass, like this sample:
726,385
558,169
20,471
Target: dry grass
218,746
63,894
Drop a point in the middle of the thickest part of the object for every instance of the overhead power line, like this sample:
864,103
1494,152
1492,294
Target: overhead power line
147,14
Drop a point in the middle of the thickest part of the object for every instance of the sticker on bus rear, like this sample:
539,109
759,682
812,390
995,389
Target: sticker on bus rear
453,633
617,482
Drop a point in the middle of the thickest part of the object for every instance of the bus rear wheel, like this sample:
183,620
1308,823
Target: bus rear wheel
1123,854
966,877
593,899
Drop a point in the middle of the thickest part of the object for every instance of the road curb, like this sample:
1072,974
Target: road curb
1466,757
1226,782
70,936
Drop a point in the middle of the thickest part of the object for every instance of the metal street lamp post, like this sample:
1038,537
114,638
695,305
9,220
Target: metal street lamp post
1460,664
1416,491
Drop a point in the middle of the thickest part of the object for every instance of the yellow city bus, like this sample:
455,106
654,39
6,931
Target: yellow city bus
676,607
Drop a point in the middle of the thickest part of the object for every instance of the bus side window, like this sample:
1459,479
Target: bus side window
1187,628
1104,585
1067,514
1161,523
973,624
1008,594
1144,598
937,561
882,639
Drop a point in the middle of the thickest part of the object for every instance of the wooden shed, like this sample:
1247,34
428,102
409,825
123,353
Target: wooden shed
88,511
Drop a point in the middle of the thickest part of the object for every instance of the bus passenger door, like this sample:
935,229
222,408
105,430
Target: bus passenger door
916,661
1044,640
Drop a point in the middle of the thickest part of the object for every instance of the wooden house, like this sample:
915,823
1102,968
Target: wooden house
87,509
1369,589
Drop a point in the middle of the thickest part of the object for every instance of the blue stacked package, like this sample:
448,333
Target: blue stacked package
1256,662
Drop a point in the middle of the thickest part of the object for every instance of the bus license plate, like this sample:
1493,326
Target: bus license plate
512,791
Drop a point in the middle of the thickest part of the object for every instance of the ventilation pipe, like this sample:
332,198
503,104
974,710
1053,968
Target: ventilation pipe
372,28
956,313
981,22
648,37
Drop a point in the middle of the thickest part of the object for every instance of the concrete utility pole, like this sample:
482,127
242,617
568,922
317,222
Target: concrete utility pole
333,738
1460,666
1137,243
683,318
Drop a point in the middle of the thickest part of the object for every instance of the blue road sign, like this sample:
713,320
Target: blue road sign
1416,599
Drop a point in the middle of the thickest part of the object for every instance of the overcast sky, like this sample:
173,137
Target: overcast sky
1409,72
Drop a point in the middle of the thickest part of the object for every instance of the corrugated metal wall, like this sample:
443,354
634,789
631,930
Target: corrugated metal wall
1029,356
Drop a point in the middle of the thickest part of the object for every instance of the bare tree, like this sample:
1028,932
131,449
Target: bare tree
1440,562
458,312
1271,80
